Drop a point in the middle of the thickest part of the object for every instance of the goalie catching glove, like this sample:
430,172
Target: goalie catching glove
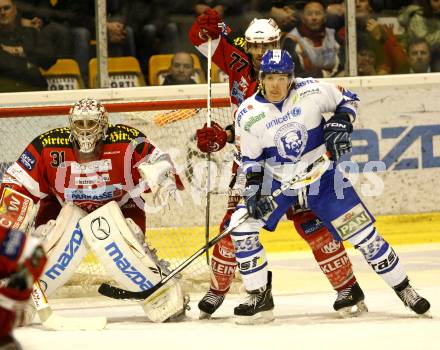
159,179
337,135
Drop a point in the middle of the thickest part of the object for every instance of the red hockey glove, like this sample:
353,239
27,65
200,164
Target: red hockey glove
210,23
211,139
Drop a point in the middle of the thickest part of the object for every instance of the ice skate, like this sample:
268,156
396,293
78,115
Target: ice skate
350,301
412,299
209,304
258,308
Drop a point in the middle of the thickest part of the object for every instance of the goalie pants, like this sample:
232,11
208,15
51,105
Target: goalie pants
50,208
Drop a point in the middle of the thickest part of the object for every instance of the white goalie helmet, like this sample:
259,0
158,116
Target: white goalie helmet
88,123
261,35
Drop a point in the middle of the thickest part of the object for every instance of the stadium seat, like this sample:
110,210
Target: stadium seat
159,65
63,75
122,71
217,75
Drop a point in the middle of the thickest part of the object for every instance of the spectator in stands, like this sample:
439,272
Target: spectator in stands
285,14
335,14
154,32
366,57
78,16
22,51
120,36
181,70
422,20
389,55
201,6
41,15
419,56
314,44
223,7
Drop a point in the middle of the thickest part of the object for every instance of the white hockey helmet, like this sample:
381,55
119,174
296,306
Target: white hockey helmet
88,123
260,36
262,31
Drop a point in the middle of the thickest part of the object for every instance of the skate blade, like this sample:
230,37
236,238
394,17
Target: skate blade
427,314
204,316
259,318
353,311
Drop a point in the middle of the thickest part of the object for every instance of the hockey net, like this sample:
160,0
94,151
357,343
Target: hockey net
170,124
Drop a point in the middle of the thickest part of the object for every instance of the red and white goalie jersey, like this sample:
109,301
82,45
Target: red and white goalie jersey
48,170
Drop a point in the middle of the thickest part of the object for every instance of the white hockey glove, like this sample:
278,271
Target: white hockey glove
159,179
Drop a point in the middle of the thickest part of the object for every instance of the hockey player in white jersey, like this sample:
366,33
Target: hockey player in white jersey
280,131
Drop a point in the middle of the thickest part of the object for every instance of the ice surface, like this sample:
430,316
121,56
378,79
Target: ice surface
303,310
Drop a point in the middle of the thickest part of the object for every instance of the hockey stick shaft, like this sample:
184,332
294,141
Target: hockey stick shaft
117,293
302,179
208,158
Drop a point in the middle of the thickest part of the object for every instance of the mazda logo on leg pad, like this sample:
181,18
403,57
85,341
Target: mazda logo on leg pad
100,228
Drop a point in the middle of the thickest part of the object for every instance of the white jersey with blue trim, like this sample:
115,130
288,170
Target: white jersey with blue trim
285,137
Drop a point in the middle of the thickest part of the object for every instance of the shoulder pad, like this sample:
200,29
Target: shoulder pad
59,137
243,110
236,40
121,133
303,82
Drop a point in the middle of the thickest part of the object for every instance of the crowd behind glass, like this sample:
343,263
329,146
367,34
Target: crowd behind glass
393,37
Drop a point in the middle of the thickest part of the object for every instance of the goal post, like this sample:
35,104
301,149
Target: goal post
169,120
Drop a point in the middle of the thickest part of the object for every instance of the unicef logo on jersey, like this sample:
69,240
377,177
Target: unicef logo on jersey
291,141
295,112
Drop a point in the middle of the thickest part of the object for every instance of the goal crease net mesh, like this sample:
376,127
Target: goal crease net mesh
171,125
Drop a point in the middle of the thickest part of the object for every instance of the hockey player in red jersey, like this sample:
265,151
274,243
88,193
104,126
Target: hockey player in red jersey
240,58
22,260
90,179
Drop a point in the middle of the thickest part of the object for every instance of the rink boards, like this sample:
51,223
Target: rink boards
397,229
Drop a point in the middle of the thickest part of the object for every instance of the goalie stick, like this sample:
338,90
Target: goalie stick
311,174
59,323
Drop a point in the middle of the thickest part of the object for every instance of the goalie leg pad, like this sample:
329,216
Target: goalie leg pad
329,253
167,304
106,231
64,244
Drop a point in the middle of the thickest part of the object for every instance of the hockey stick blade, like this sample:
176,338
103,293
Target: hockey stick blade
313,171
59,323
118,293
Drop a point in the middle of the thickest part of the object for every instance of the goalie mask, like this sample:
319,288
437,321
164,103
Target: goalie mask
261,35
88,123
